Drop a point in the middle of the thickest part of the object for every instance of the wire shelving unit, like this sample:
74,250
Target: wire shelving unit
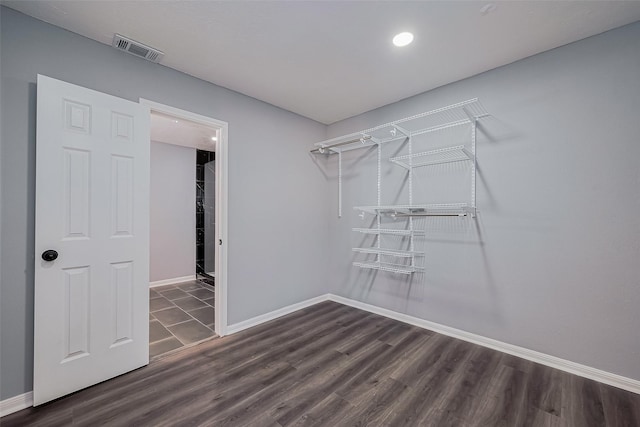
466,113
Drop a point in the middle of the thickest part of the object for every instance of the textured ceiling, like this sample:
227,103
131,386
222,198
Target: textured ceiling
331,60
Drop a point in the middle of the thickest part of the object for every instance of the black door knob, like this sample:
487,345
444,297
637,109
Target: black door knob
49,255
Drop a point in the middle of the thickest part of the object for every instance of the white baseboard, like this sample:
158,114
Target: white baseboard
172,281
16,403
255,321
525,353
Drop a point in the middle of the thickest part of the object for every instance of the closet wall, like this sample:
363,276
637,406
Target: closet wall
551,263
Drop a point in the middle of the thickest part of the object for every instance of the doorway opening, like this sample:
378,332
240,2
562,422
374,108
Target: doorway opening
188,198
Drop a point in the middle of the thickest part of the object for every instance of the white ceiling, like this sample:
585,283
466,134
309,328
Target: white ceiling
329,60
177,131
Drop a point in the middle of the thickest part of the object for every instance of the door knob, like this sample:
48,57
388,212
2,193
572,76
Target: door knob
49,255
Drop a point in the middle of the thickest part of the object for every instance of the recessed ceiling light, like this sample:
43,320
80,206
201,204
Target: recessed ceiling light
402,39
175,121
214,138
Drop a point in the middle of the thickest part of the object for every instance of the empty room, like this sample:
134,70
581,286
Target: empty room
319,213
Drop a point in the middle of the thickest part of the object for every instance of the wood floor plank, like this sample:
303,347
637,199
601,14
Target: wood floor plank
39,417
428,356
367,324
440,418
462,402
307,394
363,337
433,381
504,402
542,394
329,412
620,407
202,404
221,397
241,349
583,402
247,407
360,361
238,392
361,385
447,401
517,363
398,330
310,393
333,365
540,418
376,408
394,340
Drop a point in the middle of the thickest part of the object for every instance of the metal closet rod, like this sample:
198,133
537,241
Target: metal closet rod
427,214
364,138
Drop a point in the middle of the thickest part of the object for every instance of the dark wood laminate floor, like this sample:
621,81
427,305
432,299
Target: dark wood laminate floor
333,365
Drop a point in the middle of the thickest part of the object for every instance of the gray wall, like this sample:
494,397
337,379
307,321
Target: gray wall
271,215
172,204
552,263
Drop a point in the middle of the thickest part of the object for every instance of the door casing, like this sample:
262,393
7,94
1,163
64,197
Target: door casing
222,198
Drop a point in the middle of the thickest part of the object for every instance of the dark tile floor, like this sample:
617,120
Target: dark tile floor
180,315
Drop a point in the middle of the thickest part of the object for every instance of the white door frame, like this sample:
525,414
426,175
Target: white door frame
222,199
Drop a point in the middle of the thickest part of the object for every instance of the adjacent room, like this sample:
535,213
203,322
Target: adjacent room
327,213
182,233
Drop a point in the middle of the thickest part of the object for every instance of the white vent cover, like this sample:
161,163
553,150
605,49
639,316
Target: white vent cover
136,48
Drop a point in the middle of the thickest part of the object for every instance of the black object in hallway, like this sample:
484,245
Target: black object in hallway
205,215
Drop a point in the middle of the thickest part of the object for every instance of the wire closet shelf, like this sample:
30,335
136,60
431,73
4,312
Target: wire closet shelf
400,232
398,211
462,113
391,268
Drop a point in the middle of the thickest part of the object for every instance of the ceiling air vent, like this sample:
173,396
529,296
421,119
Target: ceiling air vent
136,48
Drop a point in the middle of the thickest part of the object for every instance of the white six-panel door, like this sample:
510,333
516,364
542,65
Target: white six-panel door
92,190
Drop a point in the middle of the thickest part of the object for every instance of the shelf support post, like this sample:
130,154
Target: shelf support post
410,172
473,168
339,184
378,237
